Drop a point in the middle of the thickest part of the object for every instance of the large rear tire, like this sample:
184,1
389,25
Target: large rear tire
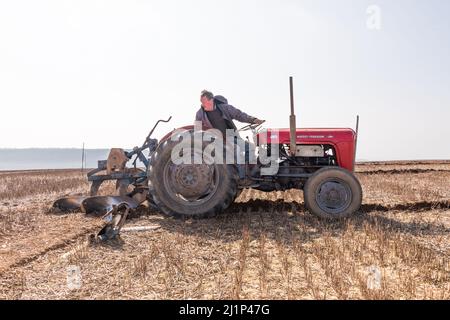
333,193
190,190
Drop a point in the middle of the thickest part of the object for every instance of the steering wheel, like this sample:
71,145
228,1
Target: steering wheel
252,126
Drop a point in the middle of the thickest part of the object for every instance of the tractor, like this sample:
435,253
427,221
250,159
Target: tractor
318,161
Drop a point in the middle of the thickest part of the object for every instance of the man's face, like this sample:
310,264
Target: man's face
207,104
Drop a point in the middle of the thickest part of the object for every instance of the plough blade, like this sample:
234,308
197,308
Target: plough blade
93,205
69,204
104,204
115,219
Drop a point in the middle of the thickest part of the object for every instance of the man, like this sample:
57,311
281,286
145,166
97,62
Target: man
216,113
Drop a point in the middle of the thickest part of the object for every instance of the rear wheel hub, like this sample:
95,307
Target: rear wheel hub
191,181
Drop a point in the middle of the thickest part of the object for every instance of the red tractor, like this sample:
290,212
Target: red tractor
318,161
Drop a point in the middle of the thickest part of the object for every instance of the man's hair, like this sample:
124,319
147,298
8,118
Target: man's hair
207,94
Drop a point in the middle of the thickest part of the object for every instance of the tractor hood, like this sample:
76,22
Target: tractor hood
307,136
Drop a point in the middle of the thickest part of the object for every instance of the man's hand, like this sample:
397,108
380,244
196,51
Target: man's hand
258,121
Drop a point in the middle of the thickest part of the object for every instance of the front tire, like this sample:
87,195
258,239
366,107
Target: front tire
333,193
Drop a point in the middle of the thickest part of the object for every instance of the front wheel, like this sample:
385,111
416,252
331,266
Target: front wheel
333,193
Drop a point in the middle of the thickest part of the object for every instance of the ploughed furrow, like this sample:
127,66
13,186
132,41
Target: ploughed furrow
400,171
414,206
64,242
255,205
410,163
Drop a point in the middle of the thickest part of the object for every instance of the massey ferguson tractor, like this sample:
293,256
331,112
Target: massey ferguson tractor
318,161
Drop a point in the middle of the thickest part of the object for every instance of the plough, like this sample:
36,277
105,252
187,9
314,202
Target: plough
116,208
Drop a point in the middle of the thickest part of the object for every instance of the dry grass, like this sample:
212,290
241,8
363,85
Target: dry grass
266,246
394,189
15,184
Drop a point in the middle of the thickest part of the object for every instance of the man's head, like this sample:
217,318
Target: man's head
207,100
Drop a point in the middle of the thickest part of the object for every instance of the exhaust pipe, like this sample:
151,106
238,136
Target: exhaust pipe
292,120
356,142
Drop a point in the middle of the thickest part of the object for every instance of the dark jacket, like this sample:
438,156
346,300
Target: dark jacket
229,113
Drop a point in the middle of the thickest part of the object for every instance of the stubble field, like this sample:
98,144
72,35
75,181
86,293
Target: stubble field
266,246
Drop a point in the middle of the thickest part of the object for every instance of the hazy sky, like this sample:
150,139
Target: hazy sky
102,72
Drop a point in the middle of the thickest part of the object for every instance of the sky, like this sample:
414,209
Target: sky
102,72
